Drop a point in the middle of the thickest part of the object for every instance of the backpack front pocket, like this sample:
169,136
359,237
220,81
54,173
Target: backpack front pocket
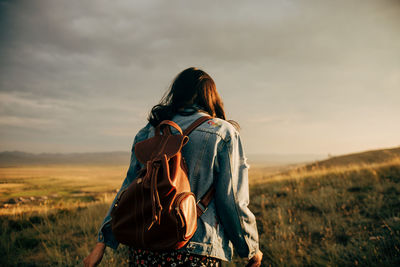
185,211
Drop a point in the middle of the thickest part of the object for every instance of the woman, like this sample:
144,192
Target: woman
219,161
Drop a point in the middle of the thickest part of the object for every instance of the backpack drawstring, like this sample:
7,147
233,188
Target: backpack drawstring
155,198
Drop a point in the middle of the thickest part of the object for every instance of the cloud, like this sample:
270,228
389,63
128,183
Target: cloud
6,121
96,68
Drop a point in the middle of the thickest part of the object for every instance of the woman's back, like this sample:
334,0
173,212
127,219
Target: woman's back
215,158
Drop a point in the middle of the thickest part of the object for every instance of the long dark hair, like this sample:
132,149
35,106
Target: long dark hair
190,88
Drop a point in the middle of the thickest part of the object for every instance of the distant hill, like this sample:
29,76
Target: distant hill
366,157
18,158
281,159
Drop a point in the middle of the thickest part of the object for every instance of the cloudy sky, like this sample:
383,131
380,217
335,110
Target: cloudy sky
299,76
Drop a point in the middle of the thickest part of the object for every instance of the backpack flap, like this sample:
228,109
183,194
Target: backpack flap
159,145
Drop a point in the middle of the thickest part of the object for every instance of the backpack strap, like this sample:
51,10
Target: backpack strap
165,123
202,204
196,124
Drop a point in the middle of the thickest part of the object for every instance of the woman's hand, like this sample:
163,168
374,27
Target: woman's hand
94,258
256,260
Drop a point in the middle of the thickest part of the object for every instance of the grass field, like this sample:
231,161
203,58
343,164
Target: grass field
336,216
34,188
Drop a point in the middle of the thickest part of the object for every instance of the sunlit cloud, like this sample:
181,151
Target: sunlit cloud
291,70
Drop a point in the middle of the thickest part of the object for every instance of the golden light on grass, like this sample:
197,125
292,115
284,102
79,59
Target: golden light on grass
340,215
302,172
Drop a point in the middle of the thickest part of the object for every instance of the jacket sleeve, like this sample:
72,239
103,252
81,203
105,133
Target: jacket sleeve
105,234
232,197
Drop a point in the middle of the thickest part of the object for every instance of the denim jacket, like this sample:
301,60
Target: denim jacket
215,156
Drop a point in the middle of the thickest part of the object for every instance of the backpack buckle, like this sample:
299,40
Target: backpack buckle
201,209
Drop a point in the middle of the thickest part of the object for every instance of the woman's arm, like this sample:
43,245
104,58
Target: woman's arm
232,197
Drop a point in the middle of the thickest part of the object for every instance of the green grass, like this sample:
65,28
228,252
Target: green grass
58,238
322,217
63,180
335,219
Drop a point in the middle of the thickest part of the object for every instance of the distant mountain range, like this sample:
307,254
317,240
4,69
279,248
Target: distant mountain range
19,158
278,159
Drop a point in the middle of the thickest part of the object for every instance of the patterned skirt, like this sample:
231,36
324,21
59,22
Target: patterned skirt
138,257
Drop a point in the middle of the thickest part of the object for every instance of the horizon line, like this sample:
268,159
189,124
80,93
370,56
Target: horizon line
254,153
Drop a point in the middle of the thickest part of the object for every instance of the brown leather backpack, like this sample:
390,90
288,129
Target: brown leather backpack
158,211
